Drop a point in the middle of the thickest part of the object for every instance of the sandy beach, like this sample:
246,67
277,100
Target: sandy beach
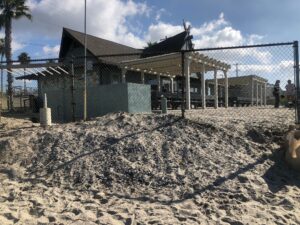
214,167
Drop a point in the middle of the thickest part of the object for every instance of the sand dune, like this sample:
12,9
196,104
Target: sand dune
217,167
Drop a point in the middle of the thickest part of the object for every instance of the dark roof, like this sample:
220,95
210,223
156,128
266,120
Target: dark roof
181,41
98,46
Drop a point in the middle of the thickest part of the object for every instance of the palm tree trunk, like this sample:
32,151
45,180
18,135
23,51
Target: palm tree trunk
8,54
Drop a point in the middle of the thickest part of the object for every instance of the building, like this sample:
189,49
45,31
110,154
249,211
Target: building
121,78
243,90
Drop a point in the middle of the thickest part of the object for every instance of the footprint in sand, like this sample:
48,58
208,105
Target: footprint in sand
11,217
231,221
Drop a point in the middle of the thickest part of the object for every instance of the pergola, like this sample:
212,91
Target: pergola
33,71
169,65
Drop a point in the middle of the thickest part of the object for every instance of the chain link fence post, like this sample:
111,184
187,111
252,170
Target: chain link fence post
182,85
296,69
73,89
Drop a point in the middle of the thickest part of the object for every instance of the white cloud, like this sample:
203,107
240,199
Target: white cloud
254,39
51,51
106,19
159,31
222,38
159,13
209,27
16,45
118,20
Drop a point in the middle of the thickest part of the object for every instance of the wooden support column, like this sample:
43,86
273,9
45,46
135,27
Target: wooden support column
123,74
226,89
158,84
265,94
172,84
261,94
216,89
143,77
256,93
187,63
203,92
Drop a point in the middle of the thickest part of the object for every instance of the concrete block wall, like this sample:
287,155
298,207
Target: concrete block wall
102,99
128,97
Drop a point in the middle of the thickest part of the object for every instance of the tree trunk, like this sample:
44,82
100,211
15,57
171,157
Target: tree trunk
8,54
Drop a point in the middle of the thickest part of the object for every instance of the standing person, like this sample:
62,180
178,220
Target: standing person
290,93
276,93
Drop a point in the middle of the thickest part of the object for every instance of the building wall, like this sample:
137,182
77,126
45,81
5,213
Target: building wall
55,88
102,99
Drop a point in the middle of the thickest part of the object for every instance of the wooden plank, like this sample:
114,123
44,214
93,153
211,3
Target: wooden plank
36,65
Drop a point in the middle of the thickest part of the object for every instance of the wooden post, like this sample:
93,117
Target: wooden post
203,92
187,83
256,93
143,77
123,74
265,94
158,83
226,89
261,94
216,89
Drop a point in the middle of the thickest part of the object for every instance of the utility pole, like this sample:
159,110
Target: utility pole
85,70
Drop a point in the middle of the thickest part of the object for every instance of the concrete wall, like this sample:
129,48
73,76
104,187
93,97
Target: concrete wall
55,88
102,99
128,97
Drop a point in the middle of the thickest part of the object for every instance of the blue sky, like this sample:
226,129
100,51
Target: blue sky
214,22
278,20
270,20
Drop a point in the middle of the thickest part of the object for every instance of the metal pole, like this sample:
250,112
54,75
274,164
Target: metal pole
182,86
1,105
85,64
72,90
25,88
296,73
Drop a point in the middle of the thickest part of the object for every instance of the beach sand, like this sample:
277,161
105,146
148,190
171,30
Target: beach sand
223,166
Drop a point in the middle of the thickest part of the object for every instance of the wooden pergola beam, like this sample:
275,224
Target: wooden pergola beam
37,65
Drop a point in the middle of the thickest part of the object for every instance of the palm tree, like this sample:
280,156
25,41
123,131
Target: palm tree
11,9
24,59
150,44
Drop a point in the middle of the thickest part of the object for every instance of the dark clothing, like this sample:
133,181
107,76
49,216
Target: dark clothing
276,101
276,93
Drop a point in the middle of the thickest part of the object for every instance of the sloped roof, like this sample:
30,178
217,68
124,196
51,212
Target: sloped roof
181,41
98,46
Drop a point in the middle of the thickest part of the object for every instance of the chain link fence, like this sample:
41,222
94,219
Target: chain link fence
259,83
247,81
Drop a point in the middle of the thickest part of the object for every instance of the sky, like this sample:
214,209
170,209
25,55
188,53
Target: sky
134,23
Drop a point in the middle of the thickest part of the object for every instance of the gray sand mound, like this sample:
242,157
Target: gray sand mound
139,154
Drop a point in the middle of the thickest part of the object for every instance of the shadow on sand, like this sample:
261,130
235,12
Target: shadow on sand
279,174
